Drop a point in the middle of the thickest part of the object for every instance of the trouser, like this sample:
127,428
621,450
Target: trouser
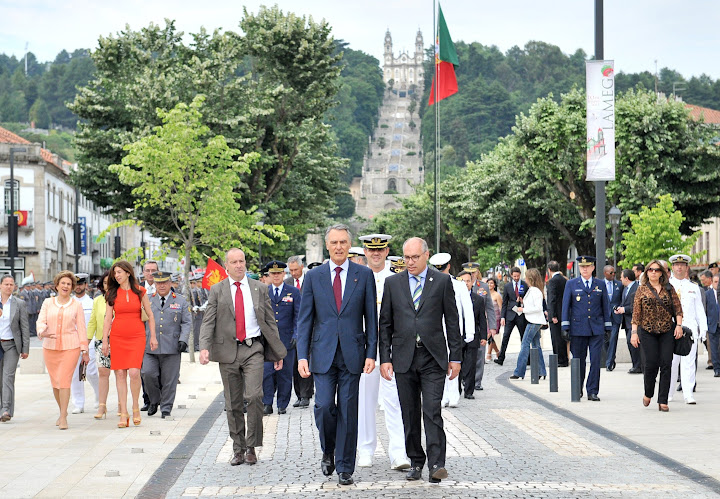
658,353
303,386
242,380
32,321
530,339
579,346
336,409
480,366
161,374
280,381
519,322
686,366
714,342
424,380
367,406
558,343
77,387
635,352
393,420
197,322
468,368
610,345
8,367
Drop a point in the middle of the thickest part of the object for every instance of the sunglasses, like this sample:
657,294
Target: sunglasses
654,269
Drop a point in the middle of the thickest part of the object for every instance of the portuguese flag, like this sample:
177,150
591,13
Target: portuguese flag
445,61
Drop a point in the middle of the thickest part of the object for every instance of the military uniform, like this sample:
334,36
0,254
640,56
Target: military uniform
286,306
161,367
586,315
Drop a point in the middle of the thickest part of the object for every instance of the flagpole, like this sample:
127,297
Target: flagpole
437,130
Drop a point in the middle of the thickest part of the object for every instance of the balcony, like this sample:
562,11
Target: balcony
26,225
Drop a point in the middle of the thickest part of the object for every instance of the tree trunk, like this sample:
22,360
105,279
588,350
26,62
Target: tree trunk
188,297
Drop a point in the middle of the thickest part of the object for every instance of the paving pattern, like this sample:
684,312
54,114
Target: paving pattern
499,445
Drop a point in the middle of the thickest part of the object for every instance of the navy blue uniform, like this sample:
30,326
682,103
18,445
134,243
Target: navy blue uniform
286,307
586,314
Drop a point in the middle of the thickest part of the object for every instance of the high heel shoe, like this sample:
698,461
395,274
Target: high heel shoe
136,420
663,408
62,424
646,401
124,421
101,414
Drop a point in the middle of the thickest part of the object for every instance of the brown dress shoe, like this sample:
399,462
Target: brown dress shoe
250,457
237,459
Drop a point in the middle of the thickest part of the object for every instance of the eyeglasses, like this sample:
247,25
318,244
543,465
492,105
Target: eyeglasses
654,269
612,272
411,258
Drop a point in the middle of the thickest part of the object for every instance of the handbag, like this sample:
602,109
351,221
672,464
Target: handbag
683,344
143,315
82,371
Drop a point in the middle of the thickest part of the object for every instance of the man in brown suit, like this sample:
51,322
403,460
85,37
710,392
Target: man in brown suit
239,332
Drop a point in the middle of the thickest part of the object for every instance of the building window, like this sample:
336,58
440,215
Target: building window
392,185
62,206
16,193
54,200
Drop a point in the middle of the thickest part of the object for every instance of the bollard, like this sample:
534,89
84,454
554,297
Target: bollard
553,372
534,366
575,381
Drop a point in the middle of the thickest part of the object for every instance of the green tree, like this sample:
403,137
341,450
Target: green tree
40,115
184,172
655,233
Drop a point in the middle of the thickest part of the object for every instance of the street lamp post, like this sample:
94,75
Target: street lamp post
614,214
12,218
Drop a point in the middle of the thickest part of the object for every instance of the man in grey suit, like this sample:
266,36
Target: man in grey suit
413,346
15,341
239,332
161,367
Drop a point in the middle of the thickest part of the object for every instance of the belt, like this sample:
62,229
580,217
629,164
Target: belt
248,342
7,340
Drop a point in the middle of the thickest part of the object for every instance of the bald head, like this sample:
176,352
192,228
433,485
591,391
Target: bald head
416,254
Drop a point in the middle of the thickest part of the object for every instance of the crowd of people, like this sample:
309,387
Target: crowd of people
361,331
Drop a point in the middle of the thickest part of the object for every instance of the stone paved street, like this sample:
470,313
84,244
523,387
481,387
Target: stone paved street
502,444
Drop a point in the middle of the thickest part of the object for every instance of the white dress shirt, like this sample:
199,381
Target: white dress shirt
252,328
692,308
5,331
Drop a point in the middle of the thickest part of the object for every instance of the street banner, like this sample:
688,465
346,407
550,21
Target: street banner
82,223
22,217
600,81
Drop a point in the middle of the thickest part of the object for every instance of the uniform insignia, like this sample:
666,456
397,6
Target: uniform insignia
173,295
287,299
154,294
578,298
174,306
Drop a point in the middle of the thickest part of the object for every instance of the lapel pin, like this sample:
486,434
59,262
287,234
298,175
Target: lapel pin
431,278
355,280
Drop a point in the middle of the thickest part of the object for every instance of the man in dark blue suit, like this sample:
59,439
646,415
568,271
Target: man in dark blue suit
713,316
338,302
586,315
614,290
285,300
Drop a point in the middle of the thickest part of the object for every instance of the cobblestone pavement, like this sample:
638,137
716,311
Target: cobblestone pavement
501,444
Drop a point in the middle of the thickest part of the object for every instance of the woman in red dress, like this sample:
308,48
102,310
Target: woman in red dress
125,299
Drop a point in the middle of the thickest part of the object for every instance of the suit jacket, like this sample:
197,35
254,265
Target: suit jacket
482,289
509,301
713,310
555,289
615,301
172,323
586,313
629,303
321,326
290,281
287,309
481,322
19,325
401,324
217,332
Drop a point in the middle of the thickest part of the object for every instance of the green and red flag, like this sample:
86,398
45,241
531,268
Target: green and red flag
445,61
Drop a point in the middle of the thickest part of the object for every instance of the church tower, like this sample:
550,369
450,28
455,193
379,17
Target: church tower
419,55
388,46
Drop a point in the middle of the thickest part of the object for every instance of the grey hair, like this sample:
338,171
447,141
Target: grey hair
233,249
295,259
338,227
151,261
422,241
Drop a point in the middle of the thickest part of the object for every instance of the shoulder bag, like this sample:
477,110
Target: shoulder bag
683,344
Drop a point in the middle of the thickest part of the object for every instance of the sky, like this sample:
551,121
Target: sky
684,36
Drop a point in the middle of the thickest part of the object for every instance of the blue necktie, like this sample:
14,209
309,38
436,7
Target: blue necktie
587,285
417,292
277,293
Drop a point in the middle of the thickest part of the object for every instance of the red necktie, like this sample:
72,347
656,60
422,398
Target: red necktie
337,288
239,314
297,283
517,291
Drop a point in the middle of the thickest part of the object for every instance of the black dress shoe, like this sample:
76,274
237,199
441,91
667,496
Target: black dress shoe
438,473
345,478
250,456
304,402
267,409
709,367
415,473
237,459
498,362
514,377
611,367
152,409
327,464
282,411
470,397
716,375
593,397
145,407
165,414
478,387
297,403
635,370
564,364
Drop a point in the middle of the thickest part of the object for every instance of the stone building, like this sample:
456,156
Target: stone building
393,165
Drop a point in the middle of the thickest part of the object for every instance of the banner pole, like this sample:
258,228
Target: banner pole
437,131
